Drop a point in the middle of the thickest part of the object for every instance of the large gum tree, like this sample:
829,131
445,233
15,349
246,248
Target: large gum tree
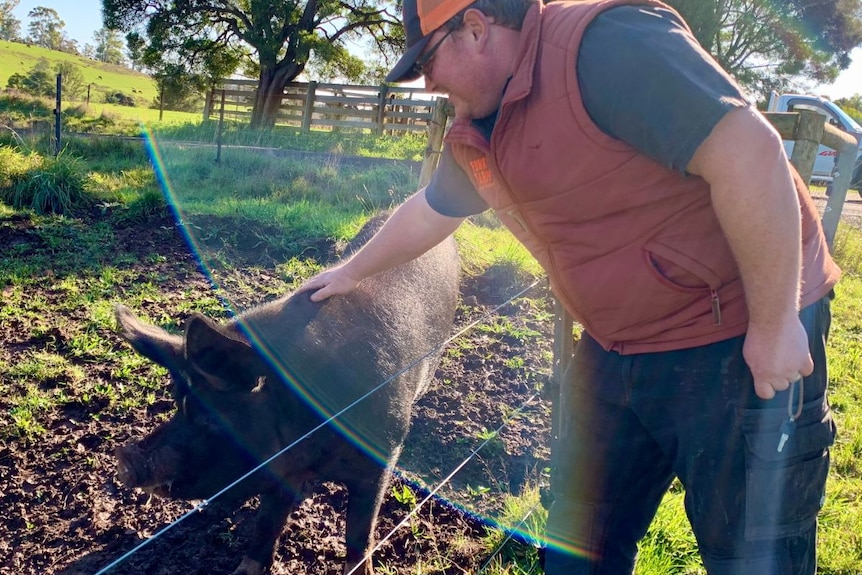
273,39
766,44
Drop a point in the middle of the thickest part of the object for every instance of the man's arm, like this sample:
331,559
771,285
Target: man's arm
753,194
410,231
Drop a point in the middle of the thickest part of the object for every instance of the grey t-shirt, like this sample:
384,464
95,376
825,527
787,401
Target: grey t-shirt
644,80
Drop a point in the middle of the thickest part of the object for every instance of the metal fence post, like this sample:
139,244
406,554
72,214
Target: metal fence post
57,145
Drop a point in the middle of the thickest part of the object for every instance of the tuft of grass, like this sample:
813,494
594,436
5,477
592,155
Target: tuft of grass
149,205
517,535
52,185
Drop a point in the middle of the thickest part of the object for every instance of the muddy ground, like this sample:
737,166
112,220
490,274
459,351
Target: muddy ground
63,511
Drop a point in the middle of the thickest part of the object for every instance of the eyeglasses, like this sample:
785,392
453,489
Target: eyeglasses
422,65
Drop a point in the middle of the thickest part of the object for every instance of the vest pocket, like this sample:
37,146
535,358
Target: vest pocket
678,270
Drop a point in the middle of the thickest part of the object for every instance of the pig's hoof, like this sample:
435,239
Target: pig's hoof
249,567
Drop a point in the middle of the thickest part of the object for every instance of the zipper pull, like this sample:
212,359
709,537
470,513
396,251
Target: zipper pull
716,307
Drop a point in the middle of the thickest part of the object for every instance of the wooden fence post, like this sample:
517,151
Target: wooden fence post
220,128
564,348
308,112
381,107
208,103
436,131
809,132
787,125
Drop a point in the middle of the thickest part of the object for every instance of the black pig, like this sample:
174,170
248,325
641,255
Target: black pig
246,389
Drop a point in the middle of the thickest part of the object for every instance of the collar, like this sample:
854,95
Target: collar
521,81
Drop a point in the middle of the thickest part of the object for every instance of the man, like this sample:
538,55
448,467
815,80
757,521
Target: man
672,227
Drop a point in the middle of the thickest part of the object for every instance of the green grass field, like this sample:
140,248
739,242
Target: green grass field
16,58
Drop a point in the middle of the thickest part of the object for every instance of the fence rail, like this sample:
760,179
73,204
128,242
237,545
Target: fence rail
308,105
809,130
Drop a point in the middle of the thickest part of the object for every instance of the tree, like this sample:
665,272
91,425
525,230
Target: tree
109,46
73,80
177,90
10,27
41,80
274,39
46,28
765,44
135,49
852,105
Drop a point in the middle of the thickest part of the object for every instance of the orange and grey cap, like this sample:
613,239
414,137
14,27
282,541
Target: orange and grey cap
421,19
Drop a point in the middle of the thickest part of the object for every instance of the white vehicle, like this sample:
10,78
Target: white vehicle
825,161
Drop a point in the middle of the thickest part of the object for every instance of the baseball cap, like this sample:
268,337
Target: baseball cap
421,19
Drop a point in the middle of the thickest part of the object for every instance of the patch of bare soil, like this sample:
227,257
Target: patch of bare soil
63,511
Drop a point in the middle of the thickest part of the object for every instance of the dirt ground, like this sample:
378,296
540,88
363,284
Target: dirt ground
63,511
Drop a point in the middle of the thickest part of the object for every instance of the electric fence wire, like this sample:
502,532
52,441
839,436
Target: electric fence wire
445,480
510,534
203,504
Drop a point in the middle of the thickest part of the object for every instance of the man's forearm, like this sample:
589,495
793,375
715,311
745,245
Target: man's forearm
755,200
413,229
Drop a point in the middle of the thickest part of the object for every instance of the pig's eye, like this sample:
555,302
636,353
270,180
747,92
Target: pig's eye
199,415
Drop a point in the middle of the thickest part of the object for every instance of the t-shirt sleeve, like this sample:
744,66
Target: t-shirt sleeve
450,192
645,80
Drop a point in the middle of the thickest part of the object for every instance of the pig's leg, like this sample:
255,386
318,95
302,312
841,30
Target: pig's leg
366,491
274,508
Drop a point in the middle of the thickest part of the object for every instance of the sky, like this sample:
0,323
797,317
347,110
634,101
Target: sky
84,17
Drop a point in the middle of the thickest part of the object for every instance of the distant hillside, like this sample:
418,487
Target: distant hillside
103,78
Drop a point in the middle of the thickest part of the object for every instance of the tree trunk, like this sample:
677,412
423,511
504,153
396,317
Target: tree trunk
267,101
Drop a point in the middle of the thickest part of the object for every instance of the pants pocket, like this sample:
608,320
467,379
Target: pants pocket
785,491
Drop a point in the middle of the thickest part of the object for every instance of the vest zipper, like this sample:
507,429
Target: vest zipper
716,307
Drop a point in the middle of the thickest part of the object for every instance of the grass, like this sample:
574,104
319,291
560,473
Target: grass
103,78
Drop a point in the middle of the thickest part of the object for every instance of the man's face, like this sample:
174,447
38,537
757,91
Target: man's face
463,67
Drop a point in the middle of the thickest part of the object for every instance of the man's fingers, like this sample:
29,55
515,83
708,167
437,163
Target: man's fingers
320,294
766,390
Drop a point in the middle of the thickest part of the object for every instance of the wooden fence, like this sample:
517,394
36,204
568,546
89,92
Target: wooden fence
809,130
334,106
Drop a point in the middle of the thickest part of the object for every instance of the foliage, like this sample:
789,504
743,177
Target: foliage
109,46
178,90
285,35
73,80
38,82
762,43
853,106
43,184
10,27
135,49
41,80
46,30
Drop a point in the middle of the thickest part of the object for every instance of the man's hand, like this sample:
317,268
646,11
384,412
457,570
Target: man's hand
334,281
777,355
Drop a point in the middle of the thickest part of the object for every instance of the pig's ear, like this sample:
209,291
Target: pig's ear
150,341
226,362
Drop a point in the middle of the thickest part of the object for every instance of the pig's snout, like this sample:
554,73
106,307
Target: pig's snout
129,462
153,471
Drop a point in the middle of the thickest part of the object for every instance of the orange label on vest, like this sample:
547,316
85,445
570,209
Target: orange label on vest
481,172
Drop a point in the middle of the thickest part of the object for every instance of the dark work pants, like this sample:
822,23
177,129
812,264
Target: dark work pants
632,423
